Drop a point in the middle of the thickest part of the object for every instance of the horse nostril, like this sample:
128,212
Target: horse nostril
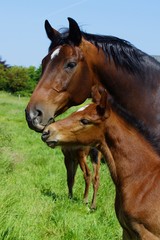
39,113
35,118
33,114
45,135
28,117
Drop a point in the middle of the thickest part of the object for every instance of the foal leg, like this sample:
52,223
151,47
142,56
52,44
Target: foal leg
96,160
71,164
144,233
126,236
82,157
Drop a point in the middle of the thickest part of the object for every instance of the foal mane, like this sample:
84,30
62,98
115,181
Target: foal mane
138,125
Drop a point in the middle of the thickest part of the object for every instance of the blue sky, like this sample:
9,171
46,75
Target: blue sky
23,41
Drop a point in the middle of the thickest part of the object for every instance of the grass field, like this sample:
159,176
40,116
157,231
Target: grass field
33,194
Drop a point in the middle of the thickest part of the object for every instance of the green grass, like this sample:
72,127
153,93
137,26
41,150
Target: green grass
33,191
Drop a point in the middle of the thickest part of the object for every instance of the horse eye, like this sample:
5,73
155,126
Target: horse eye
71,65
85,121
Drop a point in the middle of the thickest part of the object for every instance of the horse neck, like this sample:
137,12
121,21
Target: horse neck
132,155
115,79
96,61
118,80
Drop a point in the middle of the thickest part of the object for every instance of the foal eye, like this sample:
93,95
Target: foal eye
71,65
85,121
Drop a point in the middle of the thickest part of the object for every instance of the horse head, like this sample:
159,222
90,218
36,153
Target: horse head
66,78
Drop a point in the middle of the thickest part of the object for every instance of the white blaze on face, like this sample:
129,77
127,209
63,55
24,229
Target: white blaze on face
55,53
82,108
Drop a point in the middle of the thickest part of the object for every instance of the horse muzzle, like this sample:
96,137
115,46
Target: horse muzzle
45,135
36,120
45,138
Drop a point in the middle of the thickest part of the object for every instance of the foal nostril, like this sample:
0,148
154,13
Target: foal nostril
45,135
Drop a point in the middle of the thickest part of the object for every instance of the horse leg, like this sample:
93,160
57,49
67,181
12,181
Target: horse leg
126,236
139,232
96,160
86,172
71,164
143,232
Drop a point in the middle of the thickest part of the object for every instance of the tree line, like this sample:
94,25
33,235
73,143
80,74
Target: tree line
17,79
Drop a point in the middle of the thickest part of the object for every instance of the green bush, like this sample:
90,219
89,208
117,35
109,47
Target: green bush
18,80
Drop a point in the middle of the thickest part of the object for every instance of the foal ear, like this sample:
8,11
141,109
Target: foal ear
103,106
51,32
75,35
104,99
96,96
96,93
101,98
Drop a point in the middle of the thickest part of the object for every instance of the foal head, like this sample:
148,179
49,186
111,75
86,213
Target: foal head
82,128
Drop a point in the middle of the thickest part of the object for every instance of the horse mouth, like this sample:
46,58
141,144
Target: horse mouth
36,127
39,127
52,144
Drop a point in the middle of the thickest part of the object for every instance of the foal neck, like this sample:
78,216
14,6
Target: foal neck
133,156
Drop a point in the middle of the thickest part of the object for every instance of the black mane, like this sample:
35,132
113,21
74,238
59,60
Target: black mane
122,52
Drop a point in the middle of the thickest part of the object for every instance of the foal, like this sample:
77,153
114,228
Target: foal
133,162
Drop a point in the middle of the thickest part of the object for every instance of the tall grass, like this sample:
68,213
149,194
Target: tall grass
33,191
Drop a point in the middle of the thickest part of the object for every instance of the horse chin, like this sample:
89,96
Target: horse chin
39,127
36,127
56,143
52,144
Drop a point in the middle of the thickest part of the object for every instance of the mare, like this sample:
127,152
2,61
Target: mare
132,160
78,60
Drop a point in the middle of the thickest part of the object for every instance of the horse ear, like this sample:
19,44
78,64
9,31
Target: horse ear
101,98
51,32
96,93
104,99
96,96
75,35
103,107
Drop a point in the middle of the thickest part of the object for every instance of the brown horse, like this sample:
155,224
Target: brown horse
74,157
133,162
77,60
